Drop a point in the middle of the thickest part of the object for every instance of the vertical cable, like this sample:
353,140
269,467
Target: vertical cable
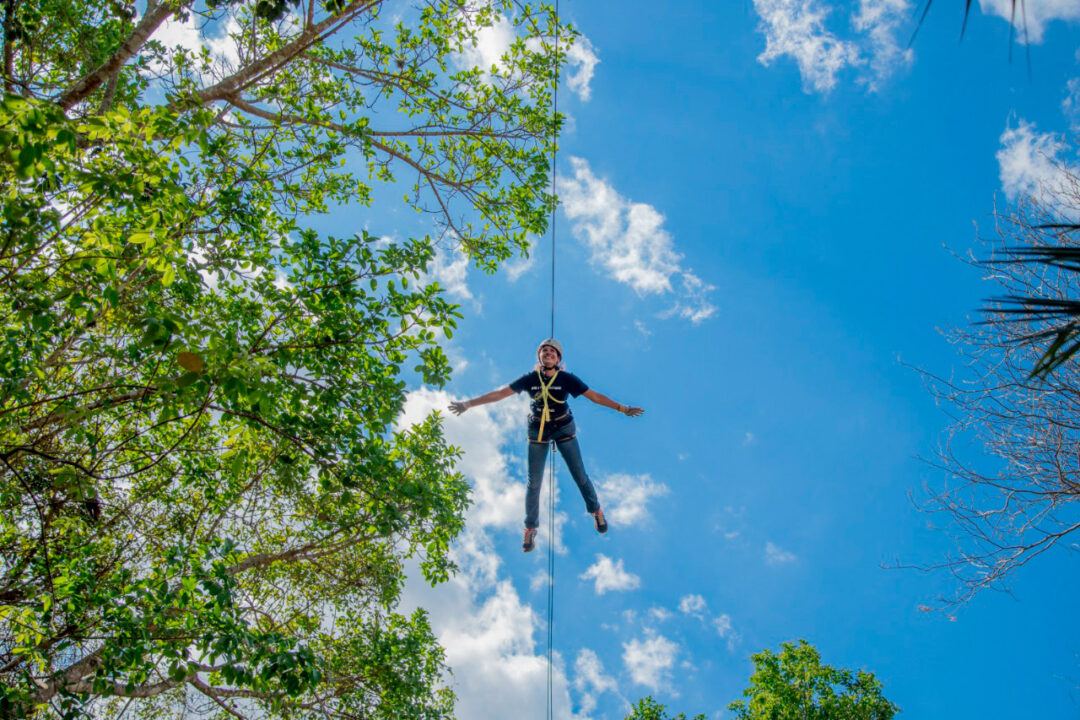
551,334
551,579
554,157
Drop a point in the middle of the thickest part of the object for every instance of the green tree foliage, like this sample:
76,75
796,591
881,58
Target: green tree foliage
648,709
794,685
205,502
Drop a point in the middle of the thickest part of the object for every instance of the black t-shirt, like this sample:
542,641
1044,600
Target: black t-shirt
564,385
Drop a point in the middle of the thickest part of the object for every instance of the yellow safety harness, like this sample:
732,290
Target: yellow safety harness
545,395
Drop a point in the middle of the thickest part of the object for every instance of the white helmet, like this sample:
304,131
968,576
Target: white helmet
553,343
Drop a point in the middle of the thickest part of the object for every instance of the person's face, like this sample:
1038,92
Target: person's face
549,356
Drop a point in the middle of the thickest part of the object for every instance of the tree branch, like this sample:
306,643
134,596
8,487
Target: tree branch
156,13
266,65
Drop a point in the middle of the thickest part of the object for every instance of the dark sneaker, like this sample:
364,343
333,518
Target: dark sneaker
529,541
600,521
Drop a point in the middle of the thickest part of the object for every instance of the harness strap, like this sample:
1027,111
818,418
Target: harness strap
545,395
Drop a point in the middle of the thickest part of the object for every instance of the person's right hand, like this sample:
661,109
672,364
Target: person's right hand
458,407
631,411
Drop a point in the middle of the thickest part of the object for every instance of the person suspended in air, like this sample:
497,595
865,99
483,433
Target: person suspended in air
550,421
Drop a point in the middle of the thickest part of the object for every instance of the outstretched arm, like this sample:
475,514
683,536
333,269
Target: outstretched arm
494,396
601,399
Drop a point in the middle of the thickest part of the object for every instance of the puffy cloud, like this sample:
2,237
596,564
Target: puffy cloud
486,629
629,242
591,680
494,41
195,34
881,21
776,555
694,304
726,630
692,605
497,669
660,614
610,575
1030,162
450,269
1032,18
1070,106
649,660
628,496
627,239
695,606
519,266
797,28
498,496
539,580
582,59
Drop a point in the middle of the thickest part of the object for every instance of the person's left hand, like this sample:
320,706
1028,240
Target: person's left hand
458,407
630,411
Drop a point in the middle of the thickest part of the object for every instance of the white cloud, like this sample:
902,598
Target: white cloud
1032,16
497,669
749,438
487,631
185,35
881,21
627,239
726,630
539,581
630,496
1030,162
1070,106
650,660
797,28
692,605
629,242
498,496
582,59
660,614
518,267
493,43
610,575
196,33
776,555
694,304
450,269
591,680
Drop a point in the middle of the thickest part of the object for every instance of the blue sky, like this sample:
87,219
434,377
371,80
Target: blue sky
760,206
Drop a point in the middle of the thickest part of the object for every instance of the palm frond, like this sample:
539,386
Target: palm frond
1057,318
967,14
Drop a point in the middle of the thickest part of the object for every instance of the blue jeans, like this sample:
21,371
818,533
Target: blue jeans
567,445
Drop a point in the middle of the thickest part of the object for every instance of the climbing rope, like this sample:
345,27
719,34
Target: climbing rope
551,334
